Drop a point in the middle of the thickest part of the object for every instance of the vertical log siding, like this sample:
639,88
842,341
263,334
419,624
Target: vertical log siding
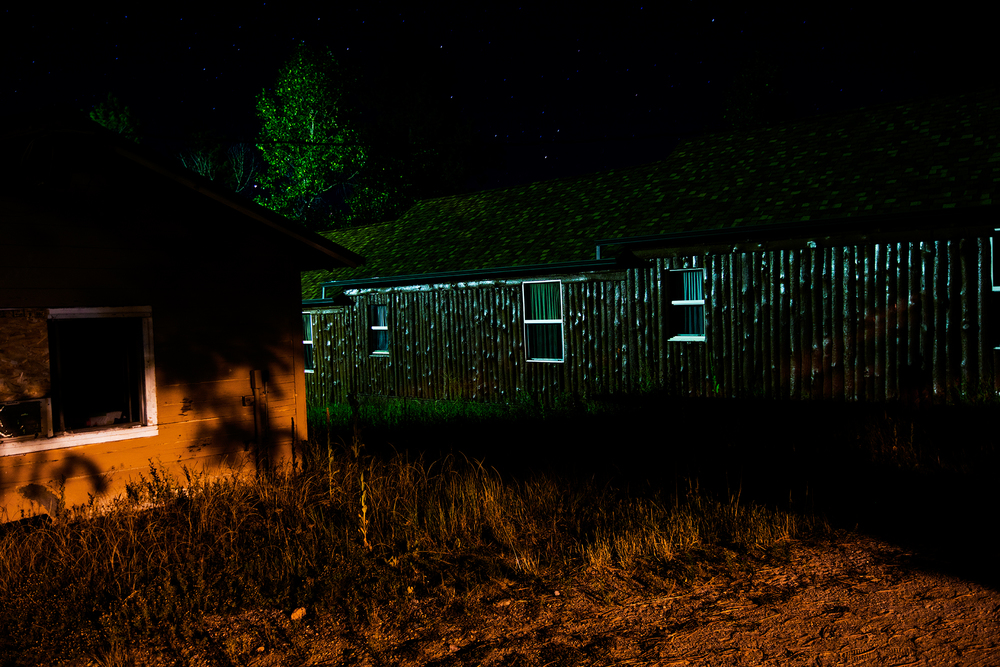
872,322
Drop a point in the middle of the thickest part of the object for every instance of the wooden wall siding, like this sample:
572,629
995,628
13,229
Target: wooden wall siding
869,322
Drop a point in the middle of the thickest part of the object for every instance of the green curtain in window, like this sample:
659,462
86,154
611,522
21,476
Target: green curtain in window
545,341
694,316
543,301
694,320
307,329
692,285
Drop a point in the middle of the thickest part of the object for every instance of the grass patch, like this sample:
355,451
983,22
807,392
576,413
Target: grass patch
353,534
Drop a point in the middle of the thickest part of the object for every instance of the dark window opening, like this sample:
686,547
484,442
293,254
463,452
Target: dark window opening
25,419
98,372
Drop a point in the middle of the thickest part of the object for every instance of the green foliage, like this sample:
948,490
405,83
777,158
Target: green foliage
342,154
116,117
308,141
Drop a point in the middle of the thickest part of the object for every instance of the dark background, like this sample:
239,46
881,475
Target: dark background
545,92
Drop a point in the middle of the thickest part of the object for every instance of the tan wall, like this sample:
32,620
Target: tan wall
224,293
202,422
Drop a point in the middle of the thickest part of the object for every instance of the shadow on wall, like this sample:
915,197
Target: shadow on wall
213,410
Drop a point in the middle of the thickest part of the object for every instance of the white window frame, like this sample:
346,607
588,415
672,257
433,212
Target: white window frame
675,307
560,322
372,352
309,343
112,433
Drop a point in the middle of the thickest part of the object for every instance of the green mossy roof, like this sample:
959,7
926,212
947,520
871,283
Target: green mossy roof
895,158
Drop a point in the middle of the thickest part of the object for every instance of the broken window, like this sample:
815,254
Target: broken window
98,374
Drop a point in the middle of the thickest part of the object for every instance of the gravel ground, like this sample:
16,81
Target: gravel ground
846,599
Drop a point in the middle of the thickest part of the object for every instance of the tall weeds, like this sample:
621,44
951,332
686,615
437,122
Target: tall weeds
350,532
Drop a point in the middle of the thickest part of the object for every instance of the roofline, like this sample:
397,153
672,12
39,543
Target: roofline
338,252
320,303
826,226
847,225
62,119
454,276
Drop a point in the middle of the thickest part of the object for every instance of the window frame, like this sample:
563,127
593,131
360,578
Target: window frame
560,322
311,356
675,308
374,351
147,426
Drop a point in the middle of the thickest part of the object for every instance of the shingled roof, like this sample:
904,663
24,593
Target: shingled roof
927,155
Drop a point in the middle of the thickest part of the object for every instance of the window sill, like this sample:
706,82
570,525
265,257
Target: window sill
686,338
14,447
379,354
546,361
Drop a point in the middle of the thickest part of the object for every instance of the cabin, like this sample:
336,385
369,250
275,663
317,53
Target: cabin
145,315
845,257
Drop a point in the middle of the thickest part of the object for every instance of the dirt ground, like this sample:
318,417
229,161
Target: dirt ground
843,600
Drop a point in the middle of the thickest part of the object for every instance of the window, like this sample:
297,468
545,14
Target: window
307,343
543,325
99,380
378,329
686,314
995,259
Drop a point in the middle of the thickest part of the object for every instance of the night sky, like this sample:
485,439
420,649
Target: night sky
555,93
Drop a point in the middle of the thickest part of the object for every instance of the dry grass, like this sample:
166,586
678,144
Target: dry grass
351,533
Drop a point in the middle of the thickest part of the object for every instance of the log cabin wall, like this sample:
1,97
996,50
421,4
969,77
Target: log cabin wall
899,320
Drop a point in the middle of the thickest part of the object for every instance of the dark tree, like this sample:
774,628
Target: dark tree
419,144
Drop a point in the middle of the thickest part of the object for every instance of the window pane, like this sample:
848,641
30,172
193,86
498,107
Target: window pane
310,362
545,341
543,301
692,285
694,320
378,340
307,329
995,255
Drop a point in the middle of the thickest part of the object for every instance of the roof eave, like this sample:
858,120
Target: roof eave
326,247
473,274
844,226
